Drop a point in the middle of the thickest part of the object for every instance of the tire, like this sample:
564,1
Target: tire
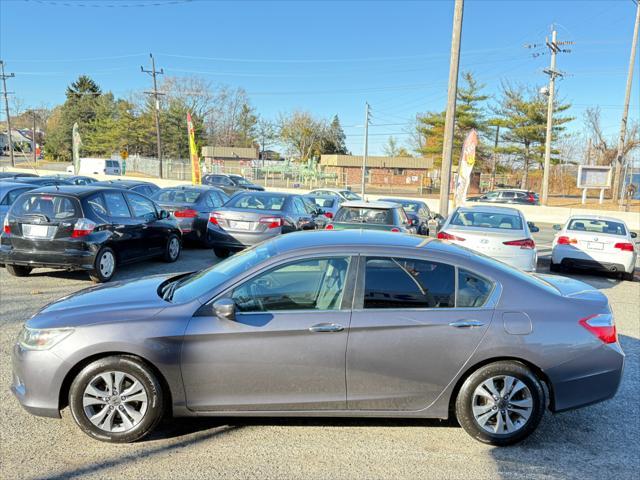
104,266
18,270
172,249
132,419
524,417
555,267
221,252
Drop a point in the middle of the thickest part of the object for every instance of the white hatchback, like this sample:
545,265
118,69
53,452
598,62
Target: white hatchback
498,232
594,242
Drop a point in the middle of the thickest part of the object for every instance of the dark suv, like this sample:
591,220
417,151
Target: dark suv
230,183
522,197
85,228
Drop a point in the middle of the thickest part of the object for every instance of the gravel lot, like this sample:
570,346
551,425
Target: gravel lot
600,441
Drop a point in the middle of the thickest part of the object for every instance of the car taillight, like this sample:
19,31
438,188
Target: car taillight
532,199
624,246
602,326
526,244
6,228
187,213
394,229
566,240
214,217
83,227
271,222
329,227
328,214
448,236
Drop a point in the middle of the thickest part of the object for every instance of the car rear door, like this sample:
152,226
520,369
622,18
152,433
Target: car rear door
285,350
152,233
409,335
127,230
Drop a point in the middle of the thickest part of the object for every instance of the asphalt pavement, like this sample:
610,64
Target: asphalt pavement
600,441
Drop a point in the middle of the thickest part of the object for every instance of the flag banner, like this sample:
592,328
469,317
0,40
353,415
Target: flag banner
467,160
196,178
75,148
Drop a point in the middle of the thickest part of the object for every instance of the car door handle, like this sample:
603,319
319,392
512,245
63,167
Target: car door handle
326,328
466,323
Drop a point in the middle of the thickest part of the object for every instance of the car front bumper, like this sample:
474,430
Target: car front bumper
67,259
37,380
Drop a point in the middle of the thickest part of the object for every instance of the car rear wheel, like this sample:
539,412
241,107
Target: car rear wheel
104,266
116,399
18,270
221,252
501,403
555,267
172,250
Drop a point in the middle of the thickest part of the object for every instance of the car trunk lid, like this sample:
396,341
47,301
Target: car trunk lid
240,220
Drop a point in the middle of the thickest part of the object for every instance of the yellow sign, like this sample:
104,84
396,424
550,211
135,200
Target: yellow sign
196,178
124,154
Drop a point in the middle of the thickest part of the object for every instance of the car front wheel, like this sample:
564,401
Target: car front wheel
116,399
172,250
501,403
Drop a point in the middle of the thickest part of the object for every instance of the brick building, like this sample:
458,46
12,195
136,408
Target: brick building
229,157
409,171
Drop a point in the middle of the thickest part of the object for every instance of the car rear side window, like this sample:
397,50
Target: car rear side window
116,205
473,291
53,207
97,205
408,283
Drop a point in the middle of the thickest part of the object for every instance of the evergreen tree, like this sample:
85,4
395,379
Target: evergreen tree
335,139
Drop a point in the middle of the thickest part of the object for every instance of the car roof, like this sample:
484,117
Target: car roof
324,197
78,190
336,190
595,217
204,188
512,190
365,204
8,186
124,182
405,200
261,193
489,209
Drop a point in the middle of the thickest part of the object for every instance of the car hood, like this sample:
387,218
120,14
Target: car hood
113,302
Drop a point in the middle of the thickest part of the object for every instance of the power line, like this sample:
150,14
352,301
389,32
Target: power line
101,4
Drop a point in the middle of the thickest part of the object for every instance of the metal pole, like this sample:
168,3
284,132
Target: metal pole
154,73
447,148
623,124
366,147
6,106
33,140
547,145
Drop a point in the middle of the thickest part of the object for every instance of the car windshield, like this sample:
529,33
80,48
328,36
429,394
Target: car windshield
193,286
597,226
177,196
349,195
379,216
502,221
257,201
241,181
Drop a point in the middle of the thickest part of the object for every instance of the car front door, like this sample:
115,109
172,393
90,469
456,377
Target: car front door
126,230
285,349
408,338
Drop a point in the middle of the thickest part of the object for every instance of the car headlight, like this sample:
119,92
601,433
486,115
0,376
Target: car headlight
42,338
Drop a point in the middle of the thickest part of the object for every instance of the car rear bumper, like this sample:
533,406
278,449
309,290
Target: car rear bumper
36,380
226,239
67,260
573,257
526,261
587,379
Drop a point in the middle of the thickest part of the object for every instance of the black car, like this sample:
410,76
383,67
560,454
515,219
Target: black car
41,181
417,211
191,205
230,183
85,228
249,218
138,186
10,175
511,195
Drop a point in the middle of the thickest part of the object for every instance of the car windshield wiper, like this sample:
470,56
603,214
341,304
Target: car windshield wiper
170,288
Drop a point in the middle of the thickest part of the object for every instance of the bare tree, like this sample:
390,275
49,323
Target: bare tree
302,134
606,147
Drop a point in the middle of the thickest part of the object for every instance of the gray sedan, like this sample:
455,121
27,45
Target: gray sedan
433,331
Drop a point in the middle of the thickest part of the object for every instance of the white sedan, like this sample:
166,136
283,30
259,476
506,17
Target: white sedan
498,232
594,242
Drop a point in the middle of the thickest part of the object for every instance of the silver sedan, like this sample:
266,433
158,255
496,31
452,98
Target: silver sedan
354,323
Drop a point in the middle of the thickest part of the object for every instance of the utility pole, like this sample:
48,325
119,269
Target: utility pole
366,147
495,159
33,139
450,119
154,73
6,106
618,189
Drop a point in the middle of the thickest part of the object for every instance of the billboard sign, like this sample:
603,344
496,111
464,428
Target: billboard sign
592,176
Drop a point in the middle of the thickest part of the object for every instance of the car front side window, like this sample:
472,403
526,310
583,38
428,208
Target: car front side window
142,207
310,284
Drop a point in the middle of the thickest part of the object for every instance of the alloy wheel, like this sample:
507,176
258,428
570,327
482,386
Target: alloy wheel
115,401
174,247
502,404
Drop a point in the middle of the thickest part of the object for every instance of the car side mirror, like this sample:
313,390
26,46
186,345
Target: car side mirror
164,214
225,309
634,234
532,227
438,217
557,227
